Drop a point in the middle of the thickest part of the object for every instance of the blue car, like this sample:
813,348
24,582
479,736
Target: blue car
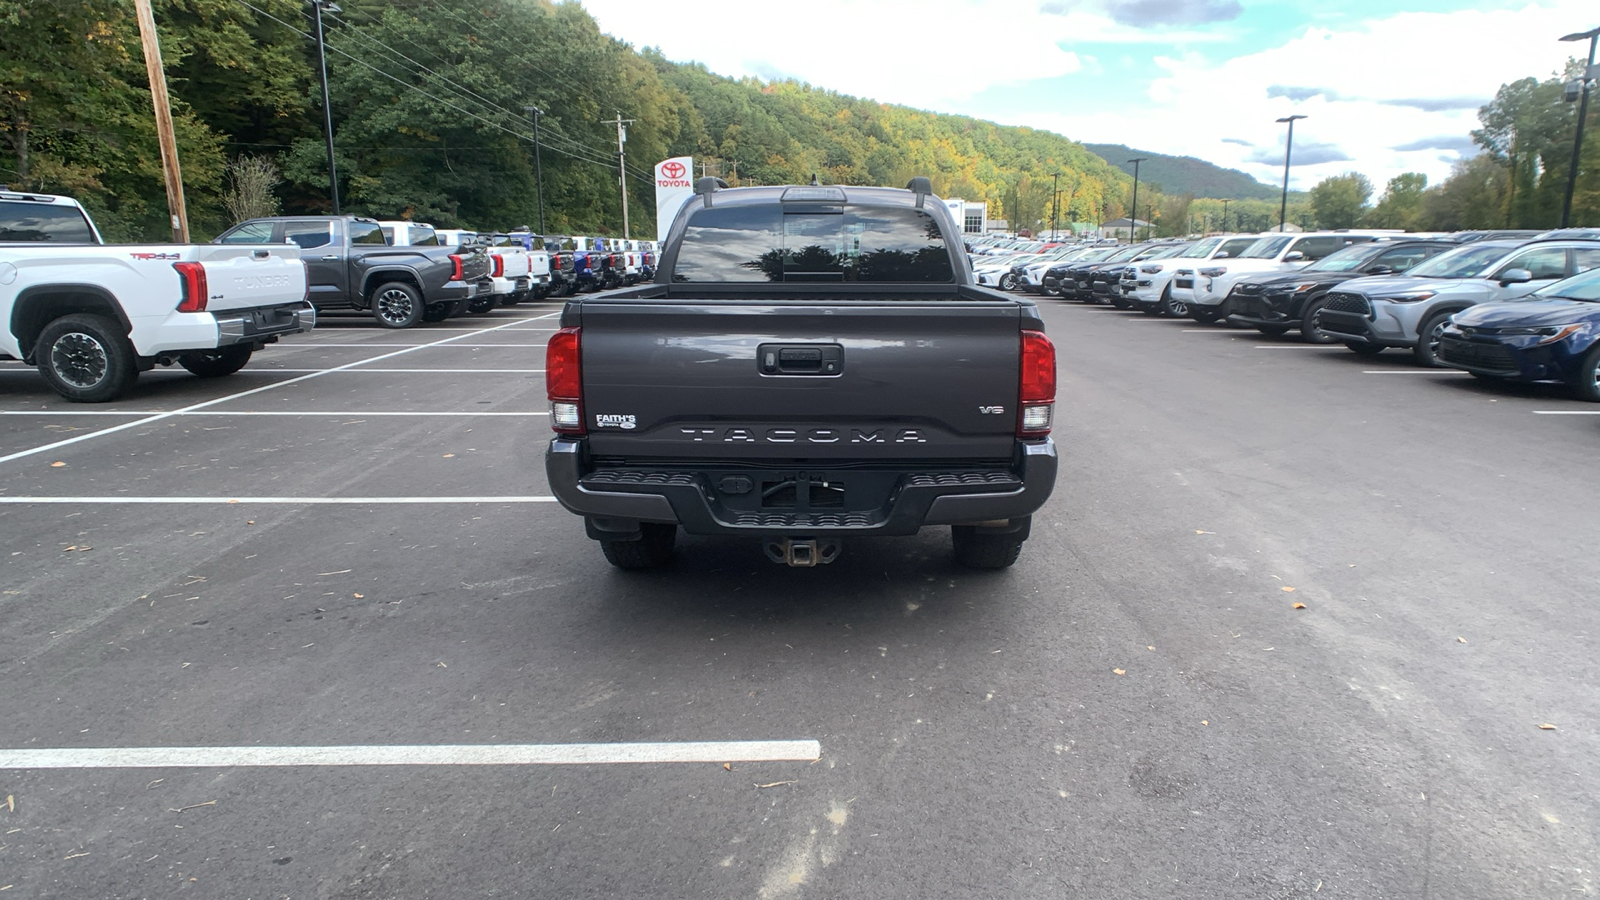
1551,336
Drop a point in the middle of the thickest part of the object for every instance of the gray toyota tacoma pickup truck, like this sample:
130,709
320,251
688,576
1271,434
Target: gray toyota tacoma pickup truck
810,363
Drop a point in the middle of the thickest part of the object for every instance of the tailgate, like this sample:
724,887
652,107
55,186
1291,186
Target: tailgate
245,276
860,381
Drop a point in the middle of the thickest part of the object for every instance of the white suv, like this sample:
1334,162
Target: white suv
1172,286
1272,252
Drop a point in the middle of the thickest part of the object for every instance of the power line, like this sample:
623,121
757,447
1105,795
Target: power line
412,87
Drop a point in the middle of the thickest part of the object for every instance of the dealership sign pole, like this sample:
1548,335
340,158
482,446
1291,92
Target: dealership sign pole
674,187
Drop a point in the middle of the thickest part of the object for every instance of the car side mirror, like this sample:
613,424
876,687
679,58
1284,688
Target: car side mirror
1294,256
1515,276
1221,255
1381,270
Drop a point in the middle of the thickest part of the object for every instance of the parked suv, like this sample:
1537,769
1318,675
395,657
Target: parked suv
1171,284
1283,303
1369,314
1277,252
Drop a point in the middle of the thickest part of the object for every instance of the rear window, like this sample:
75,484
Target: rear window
423,236
30,222
798,244
366,233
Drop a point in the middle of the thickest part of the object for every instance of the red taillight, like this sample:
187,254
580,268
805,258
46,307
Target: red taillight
192,278
1036,385
563,379
499,266
456,273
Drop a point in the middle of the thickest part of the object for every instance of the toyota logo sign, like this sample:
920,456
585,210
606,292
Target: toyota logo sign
672,169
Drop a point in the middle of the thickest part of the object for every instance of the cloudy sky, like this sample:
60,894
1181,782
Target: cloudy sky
1390,86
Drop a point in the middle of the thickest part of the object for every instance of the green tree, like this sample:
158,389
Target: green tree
1339,201
1401,205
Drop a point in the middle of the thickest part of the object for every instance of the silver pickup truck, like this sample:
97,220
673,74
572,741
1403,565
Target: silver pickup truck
811,363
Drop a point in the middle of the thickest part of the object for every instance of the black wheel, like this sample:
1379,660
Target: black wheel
1204,316
1362,348
481,304
981,550
396,305
1008,282
652,550
1587,384
86,358
1309,332
1273,330
1177,309
438,312
1426,352
216,363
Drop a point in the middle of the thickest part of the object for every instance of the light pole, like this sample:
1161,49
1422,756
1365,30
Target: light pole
538,165
1588,75
1133,221
1288,148
1055,204
319,7
1225,215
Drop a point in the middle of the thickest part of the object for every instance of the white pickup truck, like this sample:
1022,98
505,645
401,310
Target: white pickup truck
92,316
517,272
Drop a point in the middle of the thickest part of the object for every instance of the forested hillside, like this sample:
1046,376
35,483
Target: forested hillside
1185,174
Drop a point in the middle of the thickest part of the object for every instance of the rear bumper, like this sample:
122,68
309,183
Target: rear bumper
911,496
253,325
177,332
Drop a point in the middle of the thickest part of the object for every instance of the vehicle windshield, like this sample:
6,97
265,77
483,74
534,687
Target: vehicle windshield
1201,249
1584,286
1349,259
1165,252
1267,247
1125,254
30,221
1462,262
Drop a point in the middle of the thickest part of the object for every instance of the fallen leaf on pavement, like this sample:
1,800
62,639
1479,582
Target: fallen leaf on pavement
360,596
1286,589
1461,640
728,766
1118,672
1546,726
1205,721
1299,606
448,455
57,464
1198,531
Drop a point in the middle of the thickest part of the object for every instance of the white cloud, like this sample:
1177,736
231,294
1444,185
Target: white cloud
928,54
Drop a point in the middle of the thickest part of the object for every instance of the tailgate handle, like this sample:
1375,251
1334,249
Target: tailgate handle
800,359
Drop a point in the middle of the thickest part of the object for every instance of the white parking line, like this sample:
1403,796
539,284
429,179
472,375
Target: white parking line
412,755
264,412
1414,372
432,346
1231,332
276,501
197,406
1297,347
1566,412
416,371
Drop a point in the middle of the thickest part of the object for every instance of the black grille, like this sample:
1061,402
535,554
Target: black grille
952,479
636,478
1350,303
1183,282
805,520
1248,289
1477,354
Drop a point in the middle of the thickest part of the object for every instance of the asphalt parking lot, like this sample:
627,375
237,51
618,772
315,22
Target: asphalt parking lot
350,544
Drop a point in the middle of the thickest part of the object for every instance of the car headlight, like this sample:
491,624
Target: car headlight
1409,296
1150,270
1549,334
1304,286
1214,271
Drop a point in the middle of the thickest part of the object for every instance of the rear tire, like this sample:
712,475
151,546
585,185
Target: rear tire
1362,348
396,305
86,358
1426,352
216,363
1587,386
652,550
984,550
1309,332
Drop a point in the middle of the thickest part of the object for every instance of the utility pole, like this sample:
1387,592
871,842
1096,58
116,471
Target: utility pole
1288,150
622,163
1055,204
1583,113
538,164
169,143
318,8
1225,215
1133,217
